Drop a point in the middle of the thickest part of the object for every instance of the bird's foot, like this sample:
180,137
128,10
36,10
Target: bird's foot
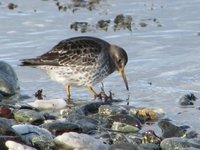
104,97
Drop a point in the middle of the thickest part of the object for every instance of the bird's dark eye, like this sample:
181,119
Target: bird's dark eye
119,61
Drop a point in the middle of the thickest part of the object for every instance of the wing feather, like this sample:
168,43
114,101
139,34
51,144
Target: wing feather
75,51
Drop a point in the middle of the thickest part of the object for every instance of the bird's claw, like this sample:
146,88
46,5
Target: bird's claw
104,97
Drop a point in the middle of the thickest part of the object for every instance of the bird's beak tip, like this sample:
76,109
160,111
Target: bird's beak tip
122,72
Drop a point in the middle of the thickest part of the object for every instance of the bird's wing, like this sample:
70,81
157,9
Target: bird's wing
74,51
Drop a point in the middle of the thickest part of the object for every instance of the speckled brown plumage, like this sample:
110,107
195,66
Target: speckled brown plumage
81,61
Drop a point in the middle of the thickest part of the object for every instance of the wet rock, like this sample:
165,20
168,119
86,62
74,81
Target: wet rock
189,148
105,137
171,130
42,142
6,111
6,127
179,143
147,114
85,110
187,99
59,127
87,124
174,143
49,116
126,119
195,142
6,132
108,110
74,140
149,146
30,116
150,137
34,136
191,134
11,145
52,104
90,108
8,80
122,127
123,146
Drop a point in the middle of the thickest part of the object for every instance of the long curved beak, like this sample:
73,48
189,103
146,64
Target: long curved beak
122,72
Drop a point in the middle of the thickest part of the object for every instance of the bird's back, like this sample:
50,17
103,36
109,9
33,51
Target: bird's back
78,61
74,51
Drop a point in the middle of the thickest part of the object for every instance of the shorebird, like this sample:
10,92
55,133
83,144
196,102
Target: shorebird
81,61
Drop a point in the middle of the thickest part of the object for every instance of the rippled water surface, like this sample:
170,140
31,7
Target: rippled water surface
165,53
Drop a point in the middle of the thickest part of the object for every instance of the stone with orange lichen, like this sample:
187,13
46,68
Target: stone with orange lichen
148,113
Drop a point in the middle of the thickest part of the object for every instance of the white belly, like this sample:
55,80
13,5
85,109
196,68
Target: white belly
67,75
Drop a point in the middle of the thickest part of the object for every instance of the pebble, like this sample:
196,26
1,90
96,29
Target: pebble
171,130
29,116
52,104
149,146
90,108
8,80
126,119
123,146
87,124
178,143
59,127
108,110
187,99
122,127
6,132
147,114
77,141
11,145
150,137
35,136
6,111
6,127
189,148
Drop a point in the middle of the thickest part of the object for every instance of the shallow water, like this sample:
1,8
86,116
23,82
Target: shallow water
166,53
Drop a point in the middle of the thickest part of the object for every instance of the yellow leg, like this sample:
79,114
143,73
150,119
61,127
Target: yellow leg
92,90
68,92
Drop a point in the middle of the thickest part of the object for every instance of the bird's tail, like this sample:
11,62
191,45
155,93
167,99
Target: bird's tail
30,62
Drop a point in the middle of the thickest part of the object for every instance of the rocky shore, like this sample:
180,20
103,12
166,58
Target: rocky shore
85,125
111,124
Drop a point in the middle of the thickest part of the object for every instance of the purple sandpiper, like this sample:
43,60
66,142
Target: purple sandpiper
81,61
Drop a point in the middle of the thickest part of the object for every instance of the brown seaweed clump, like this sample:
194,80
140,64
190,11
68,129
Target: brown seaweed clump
123,22
78,4
12,6
80,26
103,24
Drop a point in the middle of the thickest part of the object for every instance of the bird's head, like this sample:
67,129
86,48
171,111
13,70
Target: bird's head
120,59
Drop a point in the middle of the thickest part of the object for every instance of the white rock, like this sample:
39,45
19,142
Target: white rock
11,145
49,104
77,141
